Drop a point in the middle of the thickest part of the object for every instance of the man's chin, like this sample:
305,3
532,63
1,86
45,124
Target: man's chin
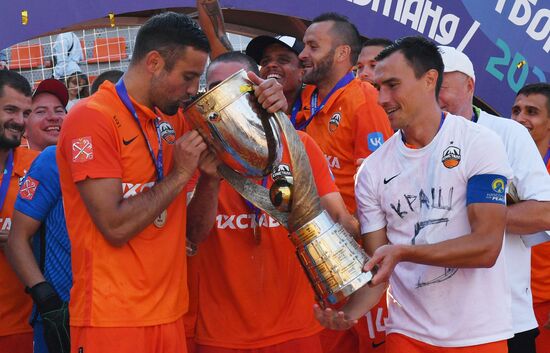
170,109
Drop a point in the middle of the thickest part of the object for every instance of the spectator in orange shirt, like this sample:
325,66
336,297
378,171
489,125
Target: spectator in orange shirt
243,268
15,107
532,109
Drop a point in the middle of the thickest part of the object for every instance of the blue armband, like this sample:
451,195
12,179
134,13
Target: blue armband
486,188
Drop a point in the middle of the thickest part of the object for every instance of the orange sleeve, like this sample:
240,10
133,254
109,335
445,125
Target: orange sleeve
88,143
372,126
324,180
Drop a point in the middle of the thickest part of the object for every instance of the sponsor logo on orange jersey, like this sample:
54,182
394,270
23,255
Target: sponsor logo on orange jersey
28,188
451,157
83,149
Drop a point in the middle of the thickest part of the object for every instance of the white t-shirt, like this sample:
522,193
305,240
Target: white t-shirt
532,182
419,195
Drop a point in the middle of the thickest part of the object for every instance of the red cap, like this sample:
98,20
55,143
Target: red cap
55,87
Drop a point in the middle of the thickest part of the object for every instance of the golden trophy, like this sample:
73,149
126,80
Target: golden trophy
247,139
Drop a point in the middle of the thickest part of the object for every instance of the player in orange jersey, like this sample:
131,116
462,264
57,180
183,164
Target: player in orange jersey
237,266
366,60
15,107
532,109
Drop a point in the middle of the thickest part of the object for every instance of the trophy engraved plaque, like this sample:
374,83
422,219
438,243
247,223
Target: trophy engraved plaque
248,140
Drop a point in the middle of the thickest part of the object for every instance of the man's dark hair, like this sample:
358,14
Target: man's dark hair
169,33
345,32
537,88
111,75
422,54
15,81
236,56
377,42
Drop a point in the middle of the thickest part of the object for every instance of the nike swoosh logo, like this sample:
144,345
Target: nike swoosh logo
375,345
127,142
390,179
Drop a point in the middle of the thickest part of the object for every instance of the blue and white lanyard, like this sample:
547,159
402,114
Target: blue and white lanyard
317,108
157,160
4,186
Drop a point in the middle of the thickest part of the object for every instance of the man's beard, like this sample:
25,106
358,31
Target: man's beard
6,143
320,72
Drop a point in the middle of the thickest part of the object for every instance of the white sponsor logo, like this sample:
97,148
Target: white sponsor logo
333,162
129,189
244,221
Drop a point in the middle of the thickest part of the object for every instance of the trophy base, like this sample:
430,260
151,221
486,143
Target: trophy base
331,258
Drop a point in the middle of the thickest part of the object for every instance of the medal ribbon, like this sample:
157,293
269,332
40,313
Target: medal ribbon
546,157
314,97
157,160
6,178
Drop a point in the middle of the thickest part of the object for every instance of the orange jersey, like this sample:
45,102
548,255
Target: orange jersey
351,125
143,282
540,280
254,294
15,307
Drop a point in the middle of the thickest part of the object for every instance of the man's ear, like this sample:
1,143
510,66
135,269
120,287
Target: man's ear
430,78
154,61
342,53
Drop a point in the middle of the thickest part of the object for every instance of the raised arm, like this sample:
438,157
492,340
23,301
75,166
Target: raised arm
211,22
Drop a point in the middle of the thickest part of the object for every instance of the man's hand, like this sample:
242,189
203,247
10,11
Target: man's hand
334,320
269,93
208,164
386,257
187,152
55,317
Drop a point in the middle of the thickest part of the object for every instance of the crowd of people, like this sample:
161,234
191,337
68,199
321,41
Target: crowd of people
101,206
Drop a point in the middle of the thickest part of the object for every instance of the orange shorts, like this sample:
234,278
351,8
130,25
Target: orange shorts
18,343
310,344
166,338
397,343
542,312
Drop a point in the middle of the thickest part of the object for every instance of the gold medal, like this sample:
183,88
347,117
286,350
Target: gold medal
160,221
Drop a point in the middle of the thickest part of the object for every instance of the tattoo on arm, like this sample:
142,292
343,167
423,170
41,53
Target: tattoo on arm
212,9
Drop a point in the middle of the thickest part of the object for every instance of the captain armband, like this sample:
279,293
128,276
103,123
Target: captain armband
486,188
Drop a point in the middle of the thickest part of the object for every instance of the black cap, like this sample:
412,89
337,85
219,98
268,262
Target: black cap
255,49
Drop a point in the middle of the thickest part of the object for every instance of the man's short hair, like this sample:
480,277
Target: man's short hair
344,32
377,42
422,54
537,88
236,57
15,81
111,75
169,33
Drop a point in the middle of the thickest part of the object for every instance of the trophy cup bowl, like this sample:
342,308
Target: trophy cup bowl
248,140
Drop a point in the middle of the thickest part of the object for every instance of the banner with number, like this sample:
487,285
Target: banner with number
507,40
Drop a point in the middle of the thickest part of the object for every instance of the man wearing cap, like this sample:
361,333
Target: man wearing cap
530,190
15,107
39,218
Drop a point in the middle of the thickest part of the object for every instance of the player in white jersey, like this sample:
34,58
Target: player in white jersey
531,186
433,216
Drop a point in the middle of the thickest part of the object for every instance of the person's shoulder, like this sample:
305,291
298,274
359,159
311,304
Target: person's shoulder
380,154
498,123
24,156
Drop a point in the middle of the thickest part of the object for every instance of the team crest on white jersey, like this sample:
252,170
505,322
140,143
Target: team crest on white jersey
334,122
451,157
167,132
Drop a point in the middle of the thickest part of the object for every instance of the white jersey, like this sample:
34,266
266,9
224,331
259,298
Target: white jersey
419,195
532,182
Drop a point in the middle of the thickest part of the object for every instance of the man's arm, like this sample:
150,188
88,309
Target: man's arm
480,248
336,208
203,207
115,216
19,251
528,217
213,25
